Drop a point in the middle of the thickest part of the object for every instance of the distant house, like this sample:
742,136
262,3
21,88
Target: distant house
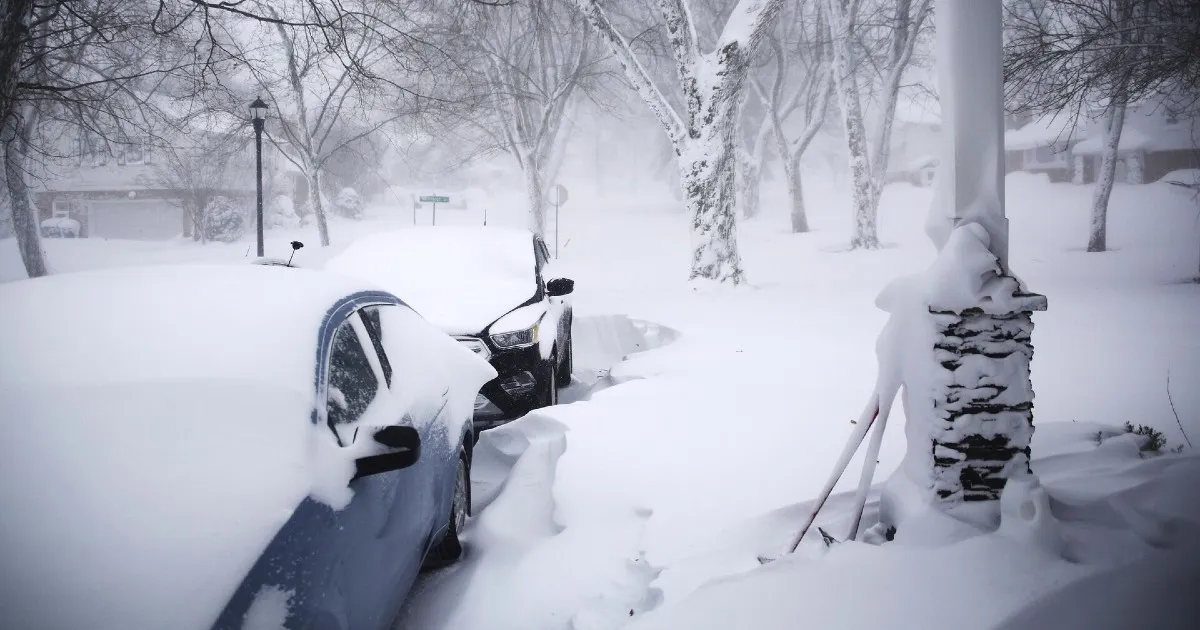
119,191
1039,144
1153,143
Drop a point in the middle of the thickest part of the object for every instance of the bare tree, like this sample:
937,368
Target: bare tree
712,86
537,58
869,154
1075,57
199,163
312,92
800,47
88,66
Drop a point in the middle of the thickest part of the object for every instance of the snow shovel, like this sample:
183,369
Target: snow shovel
852,445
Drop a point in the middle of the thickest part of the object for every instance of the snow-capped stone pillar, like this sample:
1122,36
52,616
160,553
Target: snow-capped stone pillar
982,397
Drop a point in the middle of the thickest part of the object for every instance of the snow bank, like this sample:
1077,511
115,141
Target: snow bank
130,506
978,581
528,564
1157,591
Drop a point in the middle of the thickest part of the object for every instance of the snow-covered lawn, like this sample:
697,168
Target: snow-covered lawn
647,500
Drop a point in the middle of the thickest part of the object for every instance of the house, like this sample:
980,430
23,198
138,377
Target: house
1153,143
133,189
1039,144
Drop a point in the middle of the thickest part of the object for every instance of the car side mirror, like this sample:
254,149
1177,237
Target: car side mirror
560,286
404,450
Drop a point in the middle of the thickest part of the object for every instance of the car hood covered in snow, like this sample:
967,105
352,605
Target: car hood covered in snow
143,505
461,278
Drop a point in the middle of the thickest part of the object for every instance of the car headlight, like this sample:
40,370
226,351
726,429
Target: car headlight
517,338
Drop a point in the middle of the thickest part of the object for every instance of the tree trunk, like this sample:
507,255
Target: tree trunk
537,199
710,192
865,230
749,177
882,149
24,214
791,168
1114,120
14,18
314,194
796,193
750,172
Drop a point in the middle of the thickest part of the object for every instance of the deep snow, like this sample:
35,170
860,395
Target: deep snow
648,499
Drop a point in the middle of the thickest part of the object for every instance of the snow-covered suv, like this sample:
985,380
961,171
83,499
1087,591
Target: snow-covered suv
490,288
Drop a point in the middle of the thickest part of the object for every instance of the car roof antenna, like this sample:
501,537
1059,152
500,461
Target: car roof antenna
295,245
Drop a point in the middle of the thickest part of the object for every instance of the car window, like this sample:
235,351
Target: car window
413,346
370,317
352,381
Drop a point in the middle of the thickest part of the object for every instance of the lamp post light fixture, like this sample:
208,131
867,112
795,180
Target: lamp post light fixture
258,114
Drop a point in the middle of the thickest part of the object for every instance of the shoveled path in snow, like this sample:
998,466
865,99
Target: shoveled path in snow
523,567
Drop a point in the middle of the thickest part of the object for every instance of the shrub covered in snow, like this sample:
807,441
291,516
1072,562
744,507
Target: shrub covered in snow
281,213
1153,442
224,220
349,204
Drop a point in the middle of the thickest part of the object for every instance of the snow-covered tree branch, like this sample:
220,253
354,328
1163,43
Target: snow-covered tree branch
869,153
704,137
537,58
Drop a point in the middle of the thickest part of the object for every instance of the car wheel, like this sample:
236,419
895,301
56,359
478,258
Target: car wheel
449,548
567,367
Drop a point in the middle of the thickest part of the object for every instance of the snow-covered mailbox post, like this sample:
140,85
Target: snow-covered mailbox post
959,334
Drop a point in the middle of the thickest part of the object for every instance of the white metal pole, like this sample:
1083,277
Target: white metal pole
971,85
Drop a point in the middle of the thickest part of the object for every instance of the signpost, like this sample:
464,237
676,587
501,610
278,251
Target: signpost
435,200
558,196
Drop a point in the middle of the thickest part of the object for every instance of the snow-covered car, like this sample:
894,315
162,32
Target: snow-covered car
493,289
203,447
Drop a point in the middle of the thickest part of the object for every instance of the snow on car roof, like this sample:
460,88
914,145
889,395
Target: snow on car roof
143,505
233,321
461,278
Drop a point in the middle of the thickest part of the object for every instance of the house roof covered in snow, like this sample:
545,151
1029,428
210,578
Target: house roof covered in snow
1146,132
1044,131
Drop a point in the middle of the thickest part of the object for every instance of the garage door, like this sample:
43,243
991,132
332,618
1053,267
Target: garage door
136,220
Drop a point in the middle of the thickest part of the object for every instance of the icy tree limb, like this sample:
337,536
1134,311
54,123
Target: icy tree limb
634,70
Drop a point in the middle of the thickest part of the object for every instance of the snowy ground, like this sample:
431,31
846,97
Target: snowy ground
646,500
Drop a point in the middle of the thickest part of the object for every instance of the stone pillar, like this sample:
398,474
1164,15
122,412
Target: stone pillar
983,398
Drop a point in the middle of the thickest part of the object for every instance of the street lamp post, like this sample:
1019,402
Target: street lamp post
258,113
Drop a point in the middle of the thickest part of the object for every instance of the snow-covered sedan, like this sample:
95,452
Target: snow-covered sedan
493,289
203,447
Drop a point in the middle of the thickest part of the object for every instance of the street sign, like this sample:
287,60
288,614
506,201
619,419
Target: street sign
435,199
558,195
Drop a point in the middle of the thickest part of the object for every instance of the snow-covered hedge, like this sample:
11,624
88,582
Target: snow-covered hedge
349,204
281,213
224,220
